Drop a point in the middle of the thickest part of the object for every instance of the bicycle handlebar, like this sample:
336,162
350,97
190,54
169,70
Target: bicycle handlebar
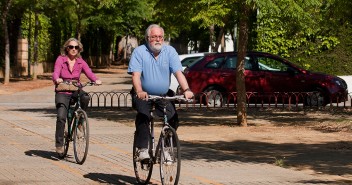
81,85
177,97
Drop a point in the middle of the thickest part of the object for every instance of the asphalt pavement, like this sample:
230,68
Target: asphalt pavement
27,121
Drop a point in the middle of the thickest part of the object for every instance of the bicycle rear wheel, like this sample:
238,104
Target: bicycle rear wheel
81,137
142,169
170,157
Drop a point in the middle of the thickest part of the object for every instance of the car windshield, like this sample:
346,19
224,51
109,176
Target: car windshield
266,68
187,61
193,62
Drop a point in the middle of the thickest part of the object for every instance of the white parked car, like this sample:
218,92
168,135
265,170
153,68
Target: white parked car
185,59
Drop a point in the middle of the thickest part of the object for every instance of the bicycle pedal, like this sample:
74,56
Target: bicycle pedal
145,161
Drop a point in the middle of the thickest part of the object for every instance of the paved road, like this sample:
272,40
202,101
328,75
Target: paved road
27,121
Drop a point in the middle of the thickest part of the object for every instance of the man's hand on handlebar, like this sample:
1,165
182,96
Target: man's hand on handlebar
142,95
188,94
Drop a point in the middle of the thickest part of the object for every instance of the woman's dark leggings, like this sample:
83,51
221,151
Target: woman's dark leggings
62,102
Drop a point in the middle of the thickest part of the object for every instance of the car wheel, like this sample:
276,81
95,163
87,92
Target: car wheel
316,99
214,98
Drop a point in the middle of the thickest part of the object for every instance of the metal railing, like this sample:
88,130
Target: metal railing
286,100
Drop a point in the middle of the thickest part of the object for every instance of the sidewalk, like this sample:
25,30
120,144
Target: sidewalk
27,122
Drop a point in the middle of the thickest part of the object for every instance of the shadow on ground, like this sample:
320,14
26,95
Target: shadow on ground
49,155
332,158
111,178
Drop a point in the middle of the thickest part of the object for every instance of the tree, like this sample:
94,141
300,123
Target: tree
214,14
115,19
5,9
287,10
240,77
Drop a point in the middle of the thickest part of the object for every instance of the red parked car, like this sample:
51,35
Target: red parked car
265,74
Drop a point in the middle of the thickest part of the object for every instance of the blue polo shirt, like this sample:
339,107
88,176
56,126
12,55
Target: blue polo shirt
155,74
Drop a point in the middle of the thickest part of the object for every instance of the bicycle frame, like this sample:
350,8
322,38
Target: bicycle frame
77,127
156,149
73,109
166,152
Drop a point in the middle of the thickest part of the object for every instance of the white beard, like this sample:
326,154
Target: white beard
156,48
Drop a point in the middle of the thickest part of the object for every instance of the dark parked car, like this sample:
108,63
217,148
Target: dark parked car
264,74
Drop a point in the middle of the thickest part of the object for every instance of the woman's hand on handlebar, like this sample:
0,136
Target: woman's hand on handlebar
59,80
98,82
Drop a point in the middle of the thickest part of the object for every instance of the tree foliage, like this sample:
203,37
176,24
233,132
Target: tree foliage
312,33
313,37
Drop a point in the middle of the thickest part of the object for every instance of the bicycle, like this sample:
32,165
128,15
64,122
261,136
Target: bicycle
168,144
77,127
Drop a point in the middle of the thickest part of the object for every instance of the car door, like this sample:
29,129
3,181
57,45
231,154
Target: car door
253,76
212,74
227,74
279,76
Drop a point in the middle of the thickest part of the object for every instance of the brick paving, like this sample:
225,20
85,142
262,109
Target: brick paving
27,121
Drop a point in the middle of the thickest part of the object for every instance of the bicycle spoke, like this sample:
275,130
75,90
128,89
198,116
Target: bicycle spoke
170,163
81,138
142,169
166,153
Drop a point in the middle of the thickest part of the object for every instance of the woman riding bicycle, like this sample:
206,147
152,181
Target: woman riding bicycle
68,67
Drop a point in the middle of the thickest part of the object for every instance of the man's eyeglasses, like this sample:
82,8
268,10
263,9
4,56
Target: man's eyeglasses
71,47
154,37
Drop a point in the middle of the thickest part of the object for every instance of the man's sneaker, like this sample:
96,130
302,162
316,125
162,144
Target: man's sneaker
143,154
60,149
167,158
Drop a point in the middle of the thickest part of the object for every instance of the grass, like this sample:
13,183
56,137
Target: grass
280,161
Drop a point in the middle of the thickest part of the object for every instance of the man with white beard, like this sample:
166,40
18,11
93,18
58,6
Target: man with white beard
151,66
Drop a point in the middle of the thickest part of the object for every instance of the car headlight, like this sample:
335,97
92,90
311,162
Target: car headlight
340,82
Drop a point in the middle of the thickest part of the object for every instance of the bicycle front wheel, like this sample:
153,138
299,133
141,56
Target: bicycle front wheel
170,157
81,137
66,140
142,169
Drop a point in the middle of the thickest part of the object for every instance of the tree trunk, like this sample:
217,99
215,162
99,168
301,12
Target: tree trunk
35,53
240,76
211,38
78,32
220,41
29,43
111,55
125,51
79,23
223,47
7,41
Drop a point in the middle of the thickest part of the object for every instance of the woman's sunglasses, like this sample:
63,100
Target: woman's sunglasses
71,47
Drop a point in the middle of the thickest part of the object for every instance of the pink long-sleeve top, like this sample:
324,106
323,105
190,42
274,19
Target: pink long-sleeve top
62,70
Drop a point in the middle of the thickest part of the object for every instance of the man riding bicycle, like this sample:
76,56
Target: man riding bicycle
151,66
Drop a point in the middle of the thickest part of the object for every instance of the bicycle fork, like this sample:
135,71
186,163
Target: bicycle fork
73,122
